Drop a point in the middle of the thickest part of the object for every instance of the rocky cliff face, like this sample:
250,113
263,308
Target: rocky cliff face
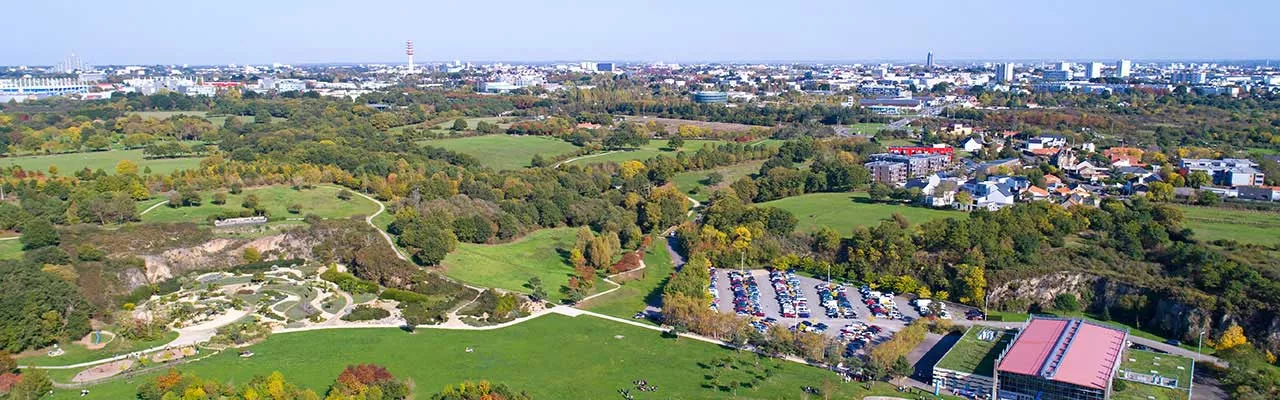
1158,312
212,255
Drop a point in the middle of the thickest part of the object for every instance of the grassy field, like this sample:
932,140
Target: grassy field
504,151
1244,226
76,353
510,265
105,160
634,295
1166,365
1138,391
651,150
693,183
217,121
472,122
844,211
552,357
866,128
973,355
322,201
10,249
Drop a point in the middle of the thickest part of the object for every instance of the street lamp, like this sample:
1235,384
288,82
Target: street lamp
1192,381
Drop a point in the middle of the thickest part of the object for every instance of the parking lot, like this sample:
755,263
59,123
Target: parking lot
762,303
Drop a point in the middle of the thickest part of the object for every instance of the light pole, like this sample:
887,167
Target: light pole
1191,382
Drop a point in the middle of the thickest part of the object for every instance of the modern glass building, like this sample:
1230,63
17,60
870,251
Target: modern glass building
710,97
1060,359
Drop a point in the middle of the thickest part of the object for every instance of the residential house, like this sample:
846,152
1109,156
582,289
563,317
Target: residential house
994,166
1045,142
888,172
972,144
937,190
995,193
1124,156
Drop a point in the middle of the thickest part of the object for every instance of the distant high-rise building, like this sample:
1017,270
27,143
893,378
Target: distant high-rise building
1004,73
1064,66
1124,68
408,51
1192,77
928,61
1094,71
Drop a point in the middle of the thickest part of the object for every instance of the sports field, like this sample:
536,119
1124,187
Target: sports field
866,128
504,151
551,357
322,201
651,150
635,294
693,183
105,160
971,354
845,211
510,265
1244,226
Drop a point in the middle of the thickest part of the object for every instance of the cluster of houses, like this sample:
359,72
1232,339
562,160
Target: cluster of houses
1088,175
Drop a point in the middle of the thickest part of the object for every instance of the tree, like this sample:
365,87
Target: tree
7,363
37,233
879,191
219,198
1066,302
295,208
34,384
1232,337
344,195
537,292
1161,191
676,142
250,201
252,255
459,124
126,167
714,178
741,241
1197,179
190,197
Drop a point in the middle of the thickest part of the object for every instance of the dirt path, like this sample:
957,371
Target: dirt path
153,206
369,220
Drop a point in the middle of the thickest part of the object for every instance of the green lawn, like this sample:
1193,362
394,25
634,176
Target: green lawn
322,201
75,353
1244,226
106,160
845,211
651,150
634,295
867,128
472,122
10,249
510,265
693,183
1166,365
973,355
551,357
504,151
168,114
1138,391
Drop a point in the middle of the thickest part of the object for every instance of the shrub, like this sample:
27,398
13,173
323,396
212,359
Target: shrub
404,296
366,313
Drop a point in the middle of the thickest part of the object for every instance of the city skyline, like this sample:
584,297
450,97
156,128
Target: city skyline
817,31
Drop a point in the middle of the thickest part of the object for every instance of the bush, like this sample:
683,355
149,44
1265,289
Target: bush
348,282
1066,302
366,313
404,296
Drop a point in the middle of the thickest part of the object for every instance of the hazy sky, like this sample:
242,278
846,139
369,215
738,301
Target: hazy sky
309,31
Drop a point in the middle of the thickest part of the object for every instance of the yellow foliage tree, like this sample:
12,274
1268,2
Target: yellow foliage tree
126,167
1234,336
631,168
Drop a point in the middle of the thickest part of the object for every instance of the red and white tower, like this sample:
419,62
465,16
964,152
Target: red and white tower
408,51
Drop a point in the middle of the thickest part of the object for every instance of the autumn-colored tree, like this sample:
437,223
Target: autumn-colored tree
126,167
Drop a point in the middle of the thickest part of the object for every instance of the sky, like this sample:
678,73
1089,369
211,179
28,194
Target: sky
330,31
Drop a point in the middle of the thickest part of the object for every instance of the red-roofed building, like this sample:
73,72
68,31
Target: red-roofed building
1054,359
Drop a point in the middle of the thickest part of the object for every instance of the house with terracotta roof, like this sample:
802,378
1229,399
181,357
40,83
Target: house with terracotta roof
1056,358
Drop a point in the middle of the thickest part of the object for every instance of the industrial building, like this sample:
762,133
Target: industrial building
710,97
1060,359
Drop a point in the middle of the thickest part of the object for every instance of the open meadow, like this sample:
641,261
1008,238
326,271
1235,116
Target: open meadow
651,150
503,151
694,183
322,201
845,211
1244,226
105,160
551,357
510,265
